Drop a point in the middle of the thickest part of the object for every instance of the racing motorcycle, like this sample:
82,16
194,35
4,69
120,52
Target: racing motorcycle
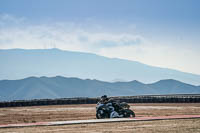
104,110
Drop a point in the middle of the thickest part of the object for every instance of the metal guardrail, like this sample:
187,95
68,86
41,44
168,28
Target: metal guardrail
129,99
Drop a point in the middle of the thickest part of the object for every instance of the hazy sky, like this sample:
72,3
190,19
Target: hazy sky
164,33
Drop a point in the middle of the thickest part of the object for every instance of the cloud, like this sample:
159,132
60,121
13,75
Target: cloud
18,33
68,36
167,56
9,20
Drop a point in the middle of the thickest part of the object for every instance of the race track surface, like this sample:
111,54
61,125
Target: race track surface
92,121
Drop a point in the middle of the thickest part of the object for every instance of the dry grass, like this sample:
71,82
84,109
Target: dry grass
74,112
164,126
85,111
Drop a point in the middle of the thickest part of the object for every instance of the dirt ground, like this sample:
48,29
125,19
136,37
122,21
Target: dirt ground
164,126
87,111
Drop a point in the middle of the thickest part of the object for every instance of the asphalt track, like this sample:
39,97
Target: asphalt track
92,121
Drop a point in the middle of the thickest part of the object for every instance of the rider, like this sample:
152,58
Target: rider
109,103
104,99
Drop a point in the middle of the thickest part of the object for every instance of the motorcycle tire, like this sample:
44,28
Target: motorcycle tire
129,113
99,115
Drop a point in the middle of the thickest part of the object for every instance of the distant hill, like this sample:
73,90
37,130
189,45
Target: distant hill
20,63
61,87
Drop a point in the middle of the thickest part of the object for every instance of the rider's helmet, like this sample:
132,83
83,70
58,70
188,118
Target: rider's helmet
104,98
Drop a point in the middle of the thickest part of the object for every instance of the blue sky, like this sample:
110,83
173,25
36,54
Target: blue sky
162,33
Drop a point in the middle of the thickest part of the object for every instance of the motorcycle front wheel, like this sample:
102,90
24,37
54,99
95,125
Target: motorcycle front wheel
100,114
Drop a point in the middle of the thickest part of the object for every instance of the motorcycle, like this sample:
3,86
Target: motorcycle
104,110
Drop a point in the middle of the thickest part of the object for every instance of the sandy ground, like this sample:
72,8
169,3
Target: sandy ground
164,126
78,112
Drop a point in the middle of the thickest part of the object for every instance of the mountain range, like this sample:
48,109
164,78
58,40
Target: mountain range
62,87
22,63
